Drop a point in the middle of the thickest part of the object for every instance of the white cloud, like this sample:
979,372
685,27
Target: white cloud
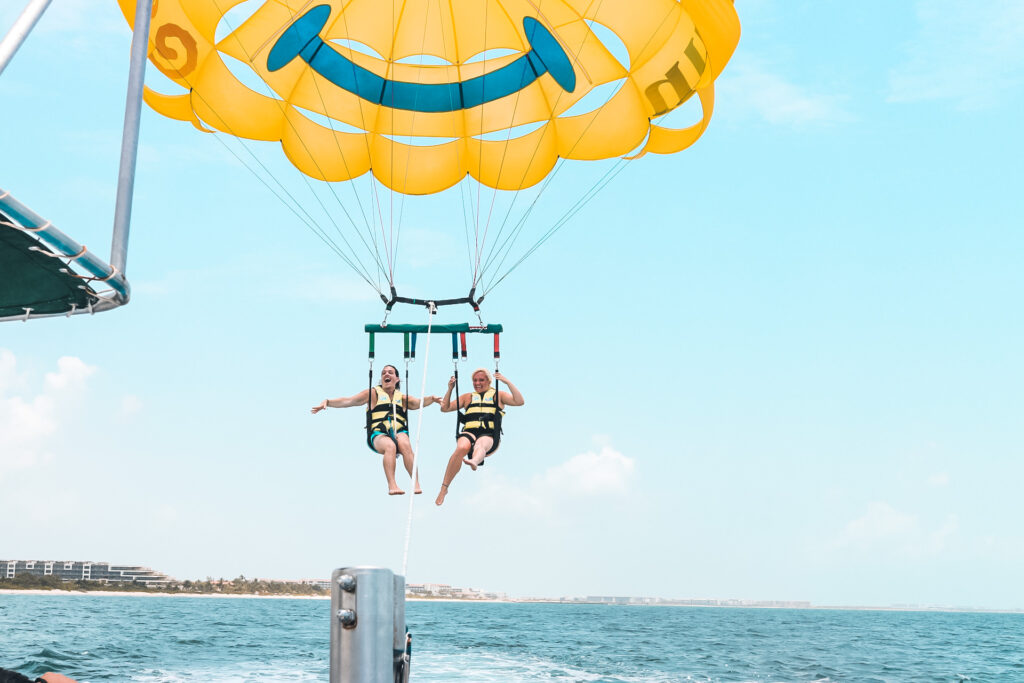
604,472
27,422
8,374
883,529
880,522
596,474
70,376
771,97
969,52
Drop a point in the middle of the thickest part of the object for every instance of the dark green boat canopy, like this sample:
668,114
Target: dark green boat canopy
44,273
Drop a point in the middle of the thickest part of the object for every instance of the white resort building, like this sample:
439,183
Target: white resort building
102,572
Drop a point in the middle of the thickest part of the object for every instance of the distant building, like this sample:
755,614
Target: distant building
102,572
431,589
609,600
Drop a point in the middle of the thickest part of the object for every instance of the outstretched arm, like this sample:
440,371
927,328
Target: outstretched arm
359,399
512,397
416,403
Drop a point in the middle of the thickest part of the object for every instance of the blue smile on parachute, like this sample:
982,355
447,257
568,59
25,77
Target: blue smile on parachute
302,39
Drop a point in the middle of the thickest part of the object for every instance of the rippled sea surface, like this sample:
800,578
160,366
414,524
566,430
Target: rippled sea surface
221,640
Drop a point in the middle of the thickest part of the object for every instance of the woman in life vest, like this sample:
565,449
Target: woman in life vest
481,422
387,423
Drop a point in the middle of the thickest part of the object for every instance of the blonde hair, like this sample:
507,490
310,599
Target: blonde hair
486,374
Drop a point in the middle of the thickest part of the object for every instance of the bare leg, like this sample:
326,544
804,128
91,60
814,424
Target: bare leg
454,465
483,444
386,447
405,448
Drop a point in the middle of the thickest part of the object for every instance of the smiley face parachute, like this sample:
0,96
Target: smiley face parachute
418,96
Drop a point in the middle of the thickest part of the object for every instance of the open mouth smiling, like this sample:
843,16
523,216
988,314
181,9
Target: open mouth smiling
302,39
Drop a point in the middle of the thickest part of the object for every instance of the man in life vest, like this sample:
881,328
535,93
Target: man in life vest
481,422
387,423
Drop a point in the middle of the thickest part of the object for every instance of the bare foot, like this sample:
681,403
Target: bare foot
440,496
468,461
418,491
395,491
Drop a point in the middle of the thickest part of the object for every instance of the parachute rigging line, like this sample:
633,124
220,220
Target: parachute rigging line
311,223
307,220
521,223
508,244
318,229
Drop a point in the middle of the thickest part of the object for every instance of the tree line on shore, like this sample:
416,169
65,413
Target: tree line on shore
237,586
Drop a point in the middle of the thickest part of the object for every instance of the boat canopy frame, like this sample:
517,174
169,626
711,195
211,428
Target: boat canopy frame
50,273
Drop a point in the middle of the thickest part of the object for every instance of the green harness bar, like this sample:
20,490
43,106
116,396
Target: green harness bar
489,328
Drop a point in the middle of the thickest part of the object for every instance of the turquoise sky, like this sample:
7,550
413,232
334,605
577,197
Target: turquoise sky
783,364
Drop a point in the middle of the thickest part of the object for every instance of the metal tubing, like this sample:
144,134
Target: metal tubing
363,628
63,244
19,32
396,328
130,135
401,656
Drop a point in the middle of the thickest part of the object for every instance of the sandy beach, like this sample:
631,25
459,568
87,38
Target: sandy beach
35,591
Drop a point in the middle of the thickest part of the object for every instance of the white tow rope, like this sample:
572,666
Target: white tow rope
416,446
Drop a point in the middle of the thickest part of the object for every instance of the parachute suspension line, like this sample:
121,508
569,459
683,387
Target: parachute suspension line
477,271
573,210
391,149
494,193
372,181
456,135
431,310
304,216
361,270
505,246
408,155
566,217
337,228
355,193
480,159
352,260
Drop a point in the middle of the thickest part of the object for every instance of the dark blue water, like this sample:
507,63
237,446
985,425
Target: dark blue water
221,640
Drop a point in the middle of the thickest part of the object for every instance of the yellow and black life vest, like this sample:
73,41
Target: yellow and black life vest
483,413
381,418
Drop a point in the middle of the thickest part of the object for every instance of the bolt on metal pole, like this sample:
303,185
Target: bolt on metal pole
23,25
130,135
368,637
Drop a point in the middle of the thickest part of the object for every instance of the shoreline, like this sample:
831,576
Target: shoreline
259,596
56,591
238,596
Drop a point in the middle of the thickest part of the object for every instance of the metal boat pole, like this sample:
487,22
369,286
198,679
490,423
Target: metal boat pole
368,636
22,27
130,136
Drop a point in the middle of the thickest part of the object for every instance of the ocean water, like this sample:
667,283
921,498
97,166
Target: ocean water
222,640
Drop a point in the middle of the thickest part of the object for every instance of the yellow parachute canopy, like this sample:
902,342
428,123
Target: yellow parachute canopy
412,90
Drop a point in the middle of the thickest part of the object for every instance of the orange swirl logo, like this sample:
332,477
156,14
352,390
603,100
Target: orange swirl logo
169,38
